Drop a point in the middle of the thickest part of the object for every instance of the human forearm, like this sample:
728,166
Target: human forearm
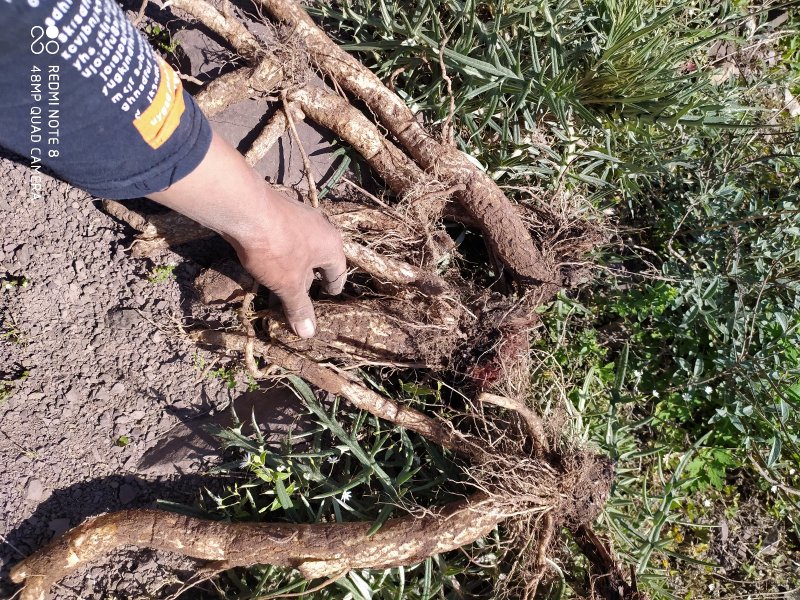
223,194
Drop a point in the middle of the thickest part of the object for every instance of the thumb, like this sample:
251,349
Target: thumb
299,312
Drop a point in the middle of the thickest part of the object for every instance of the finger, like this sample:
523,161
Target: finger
309,280
299,312
334,275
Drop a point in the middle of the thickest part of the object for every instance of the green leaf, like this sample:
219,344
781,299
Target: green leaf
775,452
783,321
283,497
363,457
383,516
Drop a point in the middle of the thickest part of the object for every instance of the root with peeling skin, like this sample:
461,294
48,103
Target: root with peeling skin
319,550
271,133
337,114
226,26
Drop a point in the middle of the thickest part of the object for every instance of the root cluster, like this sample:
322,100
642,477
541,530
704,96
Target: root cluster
416,300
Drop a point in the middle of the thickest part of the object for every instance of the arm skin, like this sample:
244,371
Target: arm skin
278,240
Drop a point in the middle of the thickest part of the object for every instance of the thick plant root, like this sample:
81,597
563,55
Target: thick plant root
159,231
224,91
532,421
227,27
319,550
337,114
391,270
482,198
356,217
412,334
417,299
237,85
355,393
165,230
606,578
271,133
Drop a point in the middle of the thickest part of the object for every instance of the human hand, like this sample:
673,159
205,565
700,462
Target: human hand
283,252
279,241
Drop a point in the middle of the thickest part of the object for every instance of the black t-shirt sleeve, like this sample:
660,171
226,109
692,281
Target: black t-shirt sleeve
84,94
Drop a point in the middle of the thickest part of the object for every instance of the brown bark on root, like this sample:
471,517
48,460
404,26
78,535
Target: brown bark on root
417,334
393,270
337,114
318,550
606,579
326,379
271,133
227,27
482,198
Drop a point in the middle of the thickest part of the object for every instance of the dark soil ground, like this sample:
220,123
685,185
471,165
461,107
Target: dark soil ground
87,349
89,366
101,400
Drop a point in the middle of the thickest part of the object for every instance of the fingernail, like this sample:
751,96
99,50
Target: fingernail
305,328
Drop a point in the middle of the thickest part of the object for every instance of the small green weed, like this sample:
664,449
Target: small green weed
9,381
123,441
161,38
11,282
161,273
9,330
6,387
230,374
225,374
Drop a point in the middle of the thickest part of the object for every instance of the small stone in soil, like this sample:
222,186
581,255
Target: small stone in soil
73,396
127,493
122,318
59,526
35,491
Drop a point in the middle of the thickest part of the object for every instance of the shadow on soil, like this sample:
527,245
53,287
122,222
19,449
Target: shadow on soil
161,473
